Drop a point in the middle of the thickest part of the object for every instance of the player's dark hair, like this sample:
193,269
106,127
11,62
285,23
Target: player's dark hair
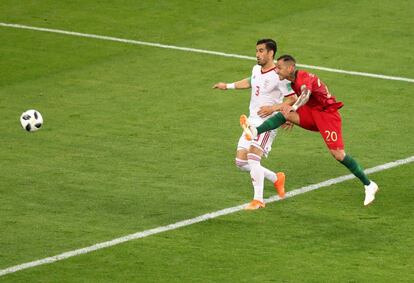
270,44
287,58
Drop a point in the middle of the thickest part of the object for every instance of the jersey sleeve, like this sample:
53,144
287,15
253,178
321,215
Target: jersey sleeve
253,71
251,77
310,80
306,79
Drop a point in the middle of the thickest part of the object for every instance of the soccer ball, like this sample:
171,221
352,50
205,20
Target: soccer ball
31,120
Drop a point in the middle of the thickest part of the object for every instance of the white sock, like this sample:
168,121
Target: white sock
270,175
242,164
257,174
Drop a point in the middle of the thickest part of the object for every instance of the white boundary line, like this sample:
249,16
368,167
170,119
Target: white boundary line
194,220
137,42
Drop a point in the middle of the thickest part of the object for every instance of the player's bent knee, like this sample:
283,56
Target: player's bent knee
256,150
253,158
338,154
242,164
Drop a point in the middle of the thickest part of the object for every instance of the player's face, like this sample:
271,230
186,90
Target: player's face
263,56
284,70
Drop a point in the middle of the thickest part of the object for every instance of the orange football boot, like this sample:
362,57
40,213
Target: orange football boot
280,184
244,123
255,204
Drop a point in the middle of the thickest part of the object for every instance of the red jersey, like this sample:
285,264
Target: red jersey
320,97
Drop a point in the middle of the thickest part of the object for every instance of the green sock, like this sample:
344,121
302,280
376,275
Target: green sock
356,169
271,123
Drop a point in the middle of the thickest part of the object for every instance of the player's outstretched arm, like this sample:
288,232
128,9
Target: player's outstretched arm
242,84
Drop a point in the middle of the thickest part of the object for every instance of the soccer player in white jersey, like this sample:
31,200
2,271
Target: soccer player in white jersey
268,92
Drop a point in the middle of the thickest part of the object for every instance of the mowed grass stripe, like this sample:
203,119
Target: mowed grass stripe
197,219
217,53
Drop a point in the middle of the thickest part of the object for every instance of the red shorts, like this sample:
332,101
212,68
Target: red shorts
328,123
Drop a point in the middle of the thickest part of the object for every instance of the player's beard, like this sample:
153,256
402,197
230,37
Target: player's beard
260,62
283,77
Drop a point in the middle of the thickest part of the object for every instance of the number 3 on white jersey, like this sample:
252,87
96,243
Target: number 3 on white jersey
257,90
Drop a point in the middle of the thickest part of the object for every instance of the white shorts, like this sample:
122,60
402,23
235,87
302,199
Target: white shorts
263,141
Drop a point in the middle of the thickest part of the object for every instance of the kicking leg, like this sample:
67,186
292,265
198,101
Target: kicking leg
272,123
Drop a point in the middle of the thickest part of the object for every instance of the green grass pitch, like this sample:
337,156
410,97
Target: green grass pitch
135,138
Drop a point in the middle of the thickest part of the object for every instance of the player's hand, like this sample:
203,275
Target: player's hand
265,111
222,86
288,126
285,109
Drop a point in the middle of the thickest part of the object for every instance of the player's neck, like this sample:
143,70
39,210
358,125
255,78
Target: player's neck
268,66
292,76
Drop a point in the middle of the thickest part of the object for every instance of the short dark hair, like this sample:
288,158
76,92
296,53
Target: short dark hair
270,44
287,58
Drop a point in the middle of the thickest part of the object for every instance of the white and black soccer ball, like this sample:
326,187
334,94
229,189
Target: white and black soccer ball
31,120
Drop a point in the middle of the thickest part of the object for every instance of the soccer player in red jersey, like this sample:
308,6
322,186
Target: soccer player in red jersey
315,110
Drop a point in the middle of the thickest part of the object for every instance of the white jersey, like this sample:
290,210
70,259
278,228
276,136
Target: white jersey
267,90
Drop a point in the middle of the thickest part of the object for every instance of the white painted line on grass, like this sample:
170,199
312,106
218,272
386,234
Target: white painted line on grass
197,219
137,42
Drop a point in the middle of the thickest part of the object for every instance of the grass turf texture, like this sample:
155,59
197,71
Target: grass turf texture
135,138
